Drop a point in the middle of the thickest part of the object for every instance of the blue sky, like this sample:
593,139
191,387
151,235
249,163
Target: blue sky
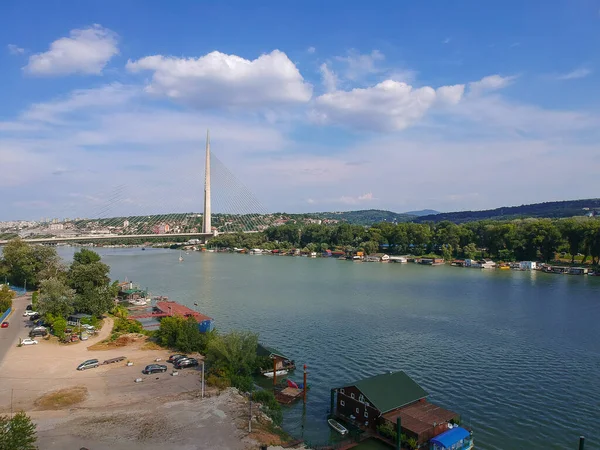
314,106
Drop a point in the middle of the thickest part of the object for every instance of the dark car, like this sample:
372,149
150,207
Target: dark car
38,333
179,359
190,362
34,317
176,356
89,364
154,368
29,308
4,325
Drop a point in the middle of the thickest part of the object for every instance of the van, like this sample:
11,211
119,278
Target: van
89,364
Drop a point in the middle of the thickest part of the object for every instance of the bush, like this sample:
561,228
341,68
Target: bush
243,383
182,334
220,383
17,433
127,326
270,405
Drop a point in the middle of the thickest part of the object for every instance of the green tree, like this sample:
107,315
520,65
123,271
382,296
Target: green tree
56,298
59,325
233,353
574,233
370,247
470,251
6,297
88,276
24,263
182,334
17,433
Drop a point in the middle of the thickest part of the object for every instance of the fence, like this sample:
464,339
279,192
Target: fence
5,314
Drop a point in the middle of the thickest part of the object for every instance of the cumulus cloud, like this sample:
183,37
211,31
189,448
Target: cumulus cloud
387,106
361,64
311,50
85,51
490,83
15,49
575,74
329,78
221,80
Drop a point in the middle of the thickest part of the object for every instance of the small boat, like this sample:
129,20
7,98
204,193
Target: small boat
337,426
279,373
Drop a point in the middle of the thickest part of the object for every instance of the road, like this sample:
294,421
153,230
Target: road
17,326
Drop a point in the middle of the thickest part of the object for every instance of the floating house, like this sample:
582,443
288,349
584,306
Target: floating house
377,257
128,292
392,398
432,261
527,265
399,259
578,271
280,363
456,438
167,308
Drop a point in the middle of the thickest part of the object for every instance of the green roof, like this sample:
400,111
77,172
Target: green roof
390,391
263,350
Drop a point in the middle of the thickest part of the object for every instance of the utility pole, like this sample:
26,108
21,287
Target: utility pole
202,378
250,414
12,393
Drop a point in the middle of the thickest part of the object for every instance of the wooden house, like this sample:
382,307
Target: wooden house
280,362
389,398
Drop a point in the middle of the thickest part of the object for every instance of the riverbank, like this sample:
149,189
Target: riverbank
104,408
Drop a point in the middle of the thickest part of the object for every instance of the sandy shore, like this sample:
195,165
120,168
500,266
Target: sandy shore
112,411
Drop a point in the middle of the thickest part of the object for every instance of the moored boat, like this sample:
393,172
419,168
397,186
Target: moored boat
337,426
279,373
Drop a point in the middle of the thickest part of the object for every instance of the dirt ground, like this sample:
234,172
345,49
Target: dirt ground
105,408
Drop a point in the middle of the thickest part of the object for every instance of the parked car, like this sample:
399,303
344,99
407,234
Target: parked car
4,325
29,313
28,341
34,317
190,362
172,358
29,307
179,358
89,364
154,368
38,333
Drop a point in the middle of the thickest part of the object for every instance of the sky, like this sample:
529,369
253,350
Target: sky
313,106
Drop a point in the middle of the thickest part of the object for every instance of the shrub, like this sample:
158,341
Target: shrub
270,405
127,326
220,383
243,383
17,433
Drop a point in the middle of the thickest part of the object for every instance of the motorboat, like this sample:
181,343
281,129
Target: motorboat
337,426
139,302
279,373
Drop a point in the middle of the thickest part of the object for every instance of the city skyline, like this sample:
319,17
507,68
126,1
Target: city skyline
323,108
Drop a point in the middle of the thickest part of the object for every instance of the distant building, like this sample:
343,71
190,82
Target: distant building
56,226
527,265
125,223
162,228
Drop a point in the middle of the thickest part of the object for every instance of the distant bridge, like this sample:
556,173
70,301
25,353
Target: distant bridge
107,237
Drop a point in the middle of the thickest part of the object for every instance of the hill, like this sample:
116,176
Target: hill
422,212
567,208
365,217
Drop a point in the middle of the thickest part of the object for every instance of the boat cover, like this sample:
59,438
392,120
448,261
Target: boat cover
448,438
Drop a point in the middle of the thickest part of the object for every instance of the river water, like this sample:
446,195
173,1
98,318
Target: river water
517,354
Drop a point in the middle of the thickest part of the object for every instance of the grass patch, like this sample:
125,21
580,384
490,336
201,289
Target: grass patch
151,346
62,398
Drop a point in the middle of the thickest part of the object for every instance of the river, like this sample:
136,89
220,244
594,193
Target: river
517,354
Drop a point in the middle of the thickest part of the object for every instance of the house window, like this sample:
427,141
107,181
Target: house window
342,402
342,391
357,411
367,404
352,395
361,398
366,414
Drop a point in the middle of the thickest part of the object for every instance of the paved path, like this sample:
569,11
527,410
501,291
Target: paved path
9,337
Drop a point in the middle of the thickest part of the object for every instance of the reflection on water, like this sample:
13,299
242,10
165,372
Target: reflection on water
517,354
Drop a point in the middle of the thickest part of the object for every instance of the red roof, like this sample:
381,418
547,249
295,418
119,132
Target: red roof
175,309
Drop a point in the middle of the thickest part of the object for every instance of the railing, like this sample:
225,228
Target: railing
5,314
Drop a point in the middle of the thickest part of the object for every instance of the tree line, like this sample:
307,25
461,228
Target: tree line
523,239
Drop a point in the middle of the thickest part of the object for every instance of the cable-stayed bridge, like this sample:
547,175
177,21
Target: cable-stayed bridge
239,211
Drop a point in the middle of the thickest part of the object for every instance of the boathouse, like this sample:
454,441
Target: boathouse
385,399
280,361
170,308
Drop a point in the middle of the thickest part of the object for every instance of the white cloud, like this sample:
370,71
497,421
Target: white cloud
359,65
311,50
330,79
490,83
220,80
86,51
348,200
446,41
15,49
575,74
90,100
387,106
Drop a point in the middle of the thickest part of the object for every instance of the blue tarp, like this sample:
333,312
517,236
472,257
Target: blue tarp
448,438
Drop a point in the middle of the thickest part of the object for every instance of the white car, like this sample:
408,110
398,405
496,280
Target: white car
28,341
29,313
